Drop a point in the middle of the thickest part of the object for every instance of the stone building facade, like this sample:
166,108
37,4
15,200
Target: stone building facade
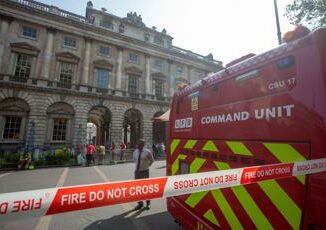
59,71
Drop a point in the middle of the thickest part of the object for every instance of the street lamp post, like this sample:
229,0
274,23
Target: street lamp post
277,23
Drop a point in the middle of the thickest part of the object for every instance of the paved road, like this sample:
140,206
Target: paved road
113,217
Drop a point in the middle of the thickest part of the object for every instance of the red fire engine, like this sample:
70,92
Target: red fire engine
261,109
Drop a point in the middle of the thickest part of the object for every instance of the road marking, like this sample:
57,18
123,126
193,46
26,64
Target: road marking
139,223
62,178
3,175
44,222
101,174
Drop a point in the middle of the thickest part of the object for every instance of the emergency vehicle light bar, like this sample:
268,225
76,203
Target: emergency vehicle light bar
248,75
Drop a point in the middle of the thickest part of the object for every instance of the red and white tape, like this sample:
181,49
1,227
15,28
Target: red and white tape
65,199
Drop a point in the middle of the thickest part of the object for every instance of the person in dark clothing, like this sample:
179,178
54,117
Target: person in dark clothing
154,151
143,159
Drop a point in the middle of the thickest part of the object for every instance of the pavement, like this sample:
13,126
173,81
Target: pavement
111,217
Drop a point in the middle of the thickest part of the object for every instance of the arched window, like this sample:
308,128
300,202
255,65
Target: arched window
60,122
13,119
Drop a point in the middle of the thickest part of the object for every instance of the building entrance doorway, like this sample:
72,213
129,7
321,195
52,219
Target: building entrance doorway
159,130
99,126
132,127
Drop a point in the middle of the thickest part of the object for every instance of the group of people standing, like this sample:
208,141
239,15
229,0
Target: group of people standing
142,157
101,151
158,149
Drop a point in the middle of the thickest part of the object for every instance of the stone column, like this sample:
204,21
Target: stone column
80,122
188,72
148,131
171,78
119,71
5,21
147,76
116,126
45,71
85,74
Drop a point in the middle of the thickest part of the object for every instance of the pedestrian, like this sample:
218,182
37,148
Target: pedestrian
123,148
101,154
143,159
112,148
24,161
163,148
90,154
158,149
154,150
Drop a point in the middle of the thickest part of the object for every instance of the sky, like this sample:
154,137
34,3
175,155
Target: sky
228,29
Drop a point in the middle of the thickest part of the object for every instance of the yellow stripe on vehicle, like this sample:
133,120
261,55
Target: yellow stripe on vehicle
254,212
196,165
227,211
175,164
195,198
282,202
210,146
190,144
239,148
174,145
285,153
209,215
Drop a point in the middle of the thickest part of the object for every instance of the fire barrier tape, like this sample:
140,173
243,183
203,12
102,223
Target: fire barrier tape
65,199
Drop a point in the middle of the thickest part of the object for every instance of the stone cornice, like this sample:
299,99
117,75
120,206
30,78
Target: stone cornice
122,40
159,75
24,47
6,18
67,92
50,29
124,21
102,63
67,57
133,70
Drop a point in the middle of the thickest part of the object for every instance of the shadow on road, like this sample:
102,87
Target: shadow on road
123,221
162,167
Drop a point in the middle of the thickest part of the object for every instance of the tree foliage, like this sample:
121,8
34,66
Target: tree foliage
311,13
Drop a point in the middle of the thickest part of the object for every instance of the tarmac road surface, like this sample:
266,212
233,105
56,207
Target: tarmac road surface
111,217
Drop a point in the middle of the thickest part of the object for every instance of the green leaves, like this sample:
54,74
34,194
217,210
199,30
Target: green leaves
310,13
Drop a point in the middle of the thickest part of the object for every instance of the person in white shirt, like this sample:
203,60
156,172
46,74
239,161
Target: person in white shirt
143,159
163,147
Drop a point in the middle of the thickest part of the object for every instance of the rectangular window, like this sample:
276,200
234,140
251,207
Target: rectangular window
12,128
158,40
66,74
159,88
285,62
29,32
69,42
23,66
104,51
133,58
159,64
102,78
59,129
179,70
106,24
133,85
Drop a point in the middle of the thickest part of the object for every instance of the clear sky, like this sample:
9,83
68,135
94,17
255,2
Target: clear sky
228,29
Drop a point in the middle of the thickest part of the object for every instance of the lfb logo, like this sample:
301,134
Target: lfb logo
183,123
